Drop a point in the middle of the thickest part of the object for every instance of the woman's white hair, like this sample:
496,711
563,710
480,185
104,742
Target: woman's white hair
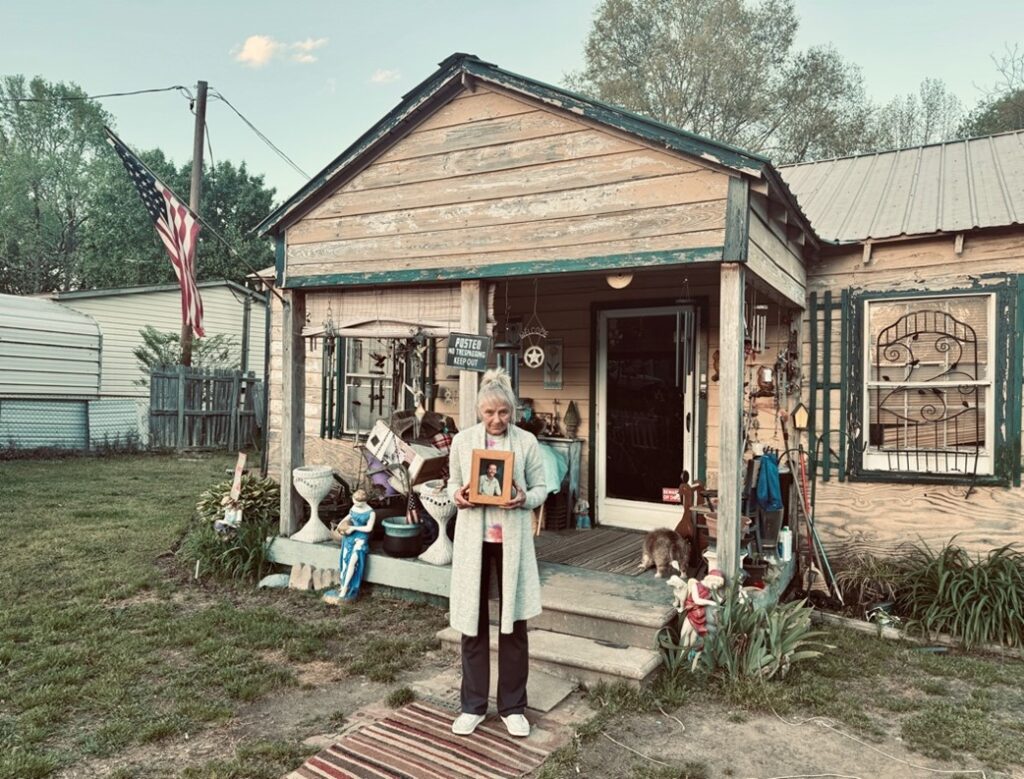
496,384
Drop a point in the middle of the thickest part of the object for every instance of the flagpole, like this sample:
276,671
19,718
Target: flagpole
195,192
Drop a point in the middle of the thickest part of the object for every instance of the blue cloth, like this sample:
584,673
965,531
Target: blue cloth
769,492
354,547
556,465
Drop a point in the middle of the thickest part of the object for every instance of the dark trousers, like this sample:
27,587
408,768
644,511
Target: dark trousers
513,652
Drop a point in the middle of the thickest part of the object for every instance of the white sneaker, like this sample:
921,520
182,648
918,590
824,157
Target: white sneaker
517,725
466,723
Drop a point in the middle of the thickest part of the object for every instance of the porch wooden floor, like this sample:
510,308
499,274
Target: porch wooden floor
600,549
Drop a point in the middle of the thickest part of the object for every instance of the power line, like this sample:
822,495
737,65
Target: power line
63,98
218,96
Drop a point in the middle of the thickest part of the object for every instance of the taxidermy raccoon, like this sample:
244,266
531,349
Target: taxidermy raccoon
662,547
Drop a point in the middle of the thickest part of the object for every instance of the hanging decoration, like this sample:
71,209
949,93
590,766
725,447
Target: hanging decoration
553,364
532,335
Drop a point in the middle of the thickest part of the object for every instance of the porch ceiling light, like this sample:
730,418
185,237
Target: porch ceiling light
618,280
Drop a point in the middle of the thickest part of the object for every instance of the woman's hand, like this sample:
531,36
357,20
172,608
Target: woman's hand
462,498
518,497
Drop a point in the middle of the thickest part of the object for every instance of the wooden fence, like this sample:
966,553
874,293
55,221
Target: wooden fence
195,409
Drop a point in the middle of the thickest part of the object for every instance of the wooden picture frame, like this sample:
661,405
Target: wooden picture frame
481,489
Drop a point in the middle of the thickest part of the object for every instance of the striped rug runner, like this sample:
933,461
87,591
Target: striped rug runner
416,742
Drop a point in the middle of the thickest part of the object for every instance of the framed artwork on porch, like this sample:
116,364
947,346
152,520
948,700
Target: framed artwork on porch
553,363
490,479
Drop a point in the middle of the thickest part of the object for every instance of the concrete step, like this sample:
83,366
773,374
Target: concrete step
582,660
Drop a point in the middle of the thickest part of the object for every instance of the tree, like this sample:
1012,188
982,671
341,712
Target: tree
1002,108
71,218
931,115
51,140
160,348
122,247
726,69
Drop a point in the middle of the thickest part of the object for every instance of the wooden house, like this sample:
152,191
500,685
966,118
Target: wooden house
687,297
488,202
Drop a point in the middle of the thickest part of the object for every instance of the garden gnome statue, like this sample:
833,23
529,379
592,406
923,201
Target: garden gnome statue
699,595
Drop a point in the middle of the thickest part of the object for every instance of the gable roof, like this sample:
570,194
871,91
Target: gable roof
174,287
942,187
455,72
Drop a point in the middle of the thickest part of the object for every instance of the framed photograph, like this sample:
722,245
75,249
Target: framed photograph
490,481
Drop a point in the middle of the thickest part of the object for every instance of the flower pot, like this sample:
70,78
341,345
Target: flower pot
755,572
402,539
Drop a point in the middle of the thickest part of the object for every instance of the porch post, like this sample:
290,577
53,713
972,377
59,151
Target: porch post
473,322
730,389
293,397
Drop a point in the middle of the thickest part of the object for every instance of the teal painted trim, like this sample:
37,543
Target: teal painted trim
844,382
737,221
635,124
1016,382
826,385
812,389
279,260
505,269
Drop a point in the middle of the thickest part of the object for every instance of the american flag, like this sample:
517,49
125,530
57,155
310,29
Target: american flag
177,227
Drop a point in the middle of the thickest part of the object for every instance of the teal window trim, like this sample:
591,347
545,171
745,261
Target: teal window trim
1006,393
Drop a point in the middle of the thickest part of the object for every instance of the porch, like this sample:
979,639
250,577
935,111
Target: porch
601,614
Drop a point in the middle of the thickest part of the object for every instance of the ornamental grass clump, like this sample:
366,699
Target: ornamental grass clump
977,600
239,552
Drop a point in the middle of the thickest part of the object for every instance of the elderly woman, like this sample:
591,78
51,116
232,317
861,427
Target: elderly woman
498,538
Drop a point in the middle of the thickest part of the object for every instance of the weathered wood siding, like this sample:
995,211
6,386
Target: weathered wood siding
491,179
880,515
775,258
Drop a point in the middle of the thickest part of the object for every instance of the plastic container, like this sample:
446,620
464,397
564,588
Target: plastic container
786,544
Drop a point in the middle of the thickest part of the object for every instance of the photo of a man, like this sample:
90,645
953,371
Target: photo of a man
490,480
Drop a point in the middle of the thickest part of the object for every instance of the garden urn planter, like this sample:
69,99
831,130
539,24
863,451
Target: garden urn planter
401,538
313,483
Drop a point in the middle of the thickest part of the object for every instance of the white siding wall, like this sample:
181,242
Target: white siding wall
122,316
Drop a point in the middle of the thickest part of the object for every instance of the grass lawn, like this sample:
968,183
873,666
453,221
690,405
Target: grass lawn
106,644
948,706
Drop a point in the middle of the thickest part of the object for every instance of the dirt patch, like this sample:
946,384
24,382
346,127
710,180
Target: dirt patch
315,713
719,742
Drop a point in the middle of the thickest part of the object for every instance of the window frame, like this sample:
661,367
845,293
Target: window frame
876,459
1002,424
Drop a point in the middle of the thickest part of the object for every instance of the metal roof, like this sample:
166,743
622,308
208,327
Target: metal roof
111,291
943,187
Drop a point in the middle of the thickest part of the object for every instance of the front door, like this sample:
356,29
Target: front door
646,425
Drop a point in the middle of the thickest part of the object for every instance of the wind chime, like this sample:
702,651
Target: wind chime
532,335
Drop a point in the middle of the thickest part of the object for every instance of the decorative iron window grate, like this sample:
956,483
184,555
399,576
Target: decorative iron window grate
928,388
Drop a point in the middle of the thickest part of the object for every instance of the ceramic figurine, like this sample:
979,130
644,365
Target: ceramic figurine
354,533
582,513
699,595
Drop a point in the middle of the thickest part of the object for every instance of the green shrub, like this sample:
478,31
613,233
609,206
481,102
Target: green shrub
977,600
239,553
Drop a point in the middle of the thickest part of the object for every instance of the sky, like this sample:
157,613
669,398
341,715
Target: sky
313,75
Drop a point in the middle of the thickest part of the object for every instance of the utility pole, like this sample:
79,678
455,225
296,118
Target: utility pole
195,191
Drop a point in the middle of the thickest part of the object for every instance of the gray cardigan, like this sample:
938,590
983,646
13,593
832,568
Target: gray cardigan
520,583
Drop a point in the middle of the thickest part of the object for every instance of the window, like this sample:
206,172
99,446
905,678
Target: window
368,396
928,385
366,379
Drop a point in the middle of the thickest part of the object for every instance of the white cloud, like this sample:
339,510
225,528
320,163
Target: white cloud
259,50
302,50
385,76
